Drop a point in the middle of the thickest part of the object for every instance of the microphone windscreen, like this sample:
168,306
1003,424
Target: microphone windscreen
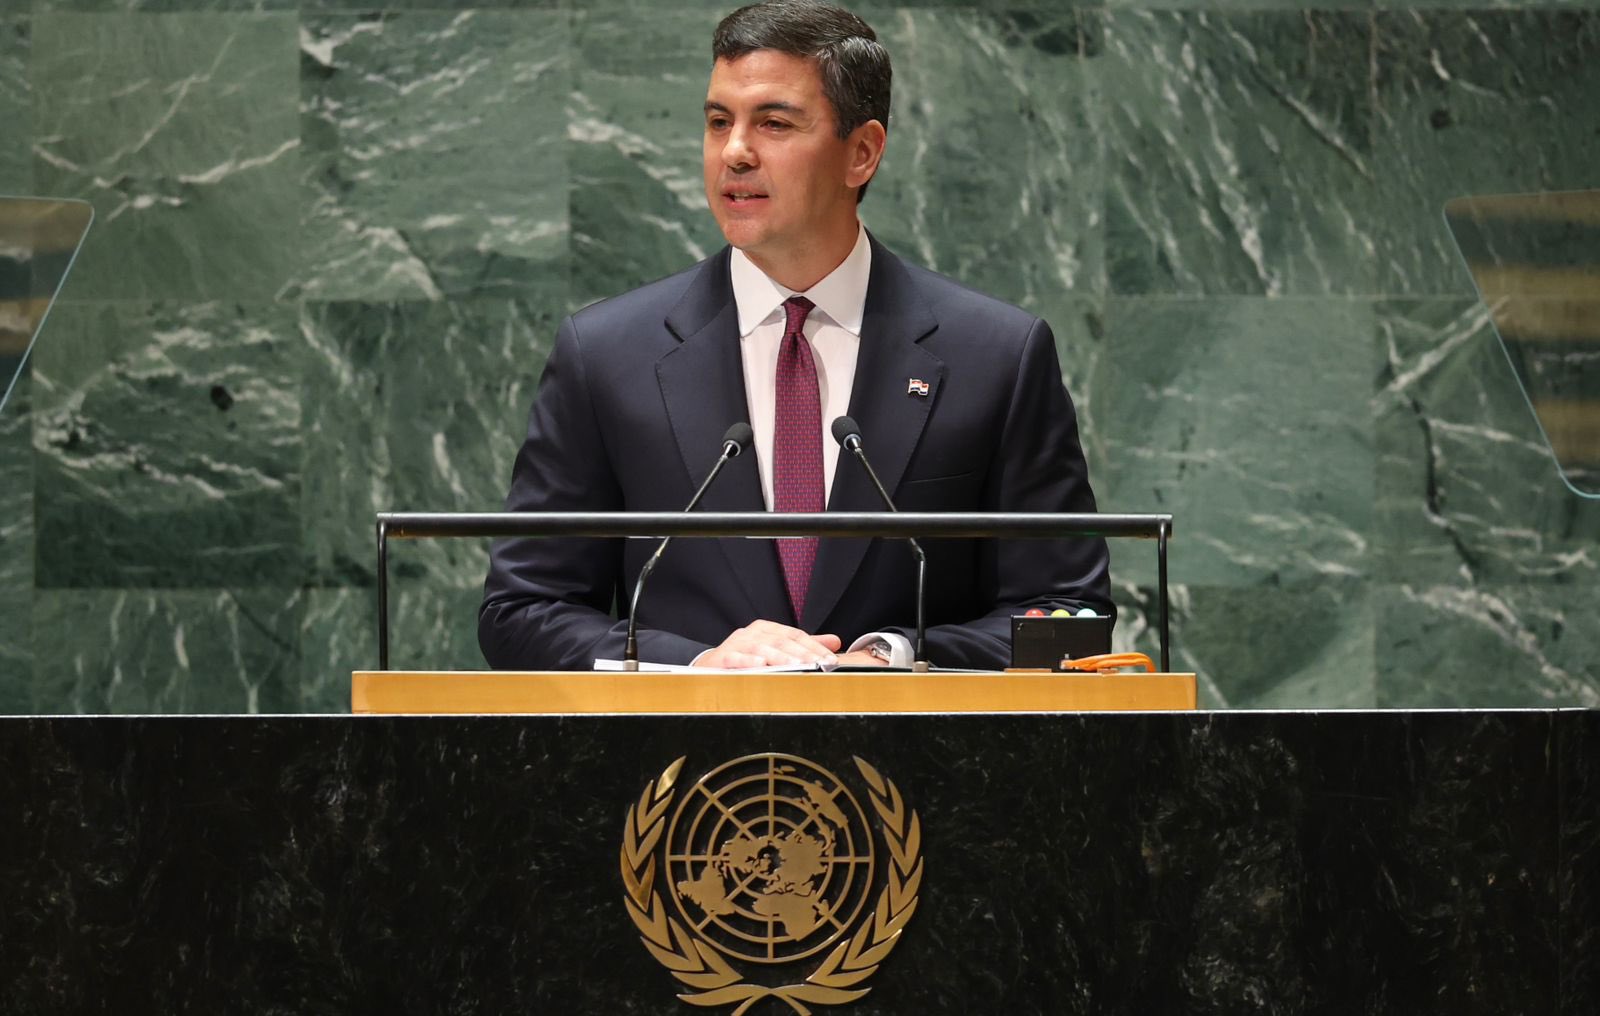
740,435
845,428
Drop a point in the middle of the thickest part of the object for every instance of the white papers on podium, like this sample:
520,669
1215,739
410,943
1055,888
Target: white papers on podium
679,668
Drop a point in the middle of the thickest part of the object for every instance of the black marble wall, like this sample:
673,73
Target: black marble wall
1234,863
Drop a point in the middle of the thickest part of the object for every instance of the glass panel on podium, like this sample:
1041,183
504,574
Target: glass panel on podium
39,240
1535,259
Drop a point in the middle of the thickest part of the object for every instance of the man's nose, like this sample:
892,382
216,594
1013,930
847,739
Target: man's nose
737,152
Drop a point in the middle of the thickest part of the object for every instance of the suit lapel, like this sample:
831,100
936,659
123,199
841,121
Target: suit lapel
702,388
891,419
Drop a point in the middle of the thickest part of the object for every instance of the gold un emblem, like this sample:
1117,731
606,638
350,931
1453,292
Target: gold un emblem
769,860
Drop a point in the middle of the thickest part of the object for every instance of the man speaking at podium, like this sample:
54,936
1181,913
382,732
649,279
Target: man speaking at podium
803,318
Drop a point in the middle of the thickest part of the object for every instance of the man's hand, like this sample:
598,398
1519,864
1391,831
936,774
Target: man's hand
770,644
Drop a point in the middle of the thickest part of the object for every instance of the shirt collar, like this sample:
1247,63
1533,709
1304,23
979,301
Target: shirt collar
841,295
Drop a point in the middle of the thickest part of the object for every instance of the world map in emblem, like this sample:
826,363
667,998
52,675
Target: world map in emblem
770,858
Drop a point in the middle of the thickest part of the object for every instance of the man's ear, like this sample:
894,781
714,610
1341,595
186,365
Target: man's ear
866,145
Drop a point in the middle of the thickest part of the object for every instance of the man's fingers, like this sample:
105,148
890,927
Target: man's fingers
771,631
732,659
770,635
793,652
765,643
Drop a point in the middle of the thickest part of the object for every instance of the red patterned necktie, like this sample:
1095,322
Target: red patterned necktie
797,446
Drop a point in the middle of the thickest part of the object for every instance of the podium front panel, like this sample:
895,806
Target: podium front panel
1377,862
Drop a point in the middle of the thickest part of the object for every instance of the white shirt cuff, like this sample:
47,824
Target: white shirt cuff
899,646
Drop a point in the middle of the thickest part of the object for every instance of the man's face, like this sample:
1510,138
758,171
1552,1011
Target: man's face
781,182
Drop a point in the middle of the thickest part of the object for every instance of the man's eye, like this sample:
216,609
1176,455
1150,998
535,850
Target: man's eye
777,125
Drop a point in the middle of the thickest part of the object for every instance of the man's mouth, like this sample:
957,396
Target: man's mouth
740,197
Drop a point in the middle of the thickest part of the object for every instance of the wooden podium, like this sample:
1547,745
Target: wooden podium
582,692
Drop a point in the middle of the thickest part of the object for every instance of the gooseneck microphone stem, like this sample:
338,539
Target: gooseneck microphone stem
848,435
919,656
736,440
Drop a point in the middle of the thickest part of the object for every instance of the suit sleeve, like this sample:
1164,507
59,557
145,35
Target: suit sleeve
1039,468
548,602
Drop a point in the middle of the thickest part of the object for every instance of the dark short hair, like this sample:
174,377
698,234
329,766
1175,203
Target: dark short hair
853,65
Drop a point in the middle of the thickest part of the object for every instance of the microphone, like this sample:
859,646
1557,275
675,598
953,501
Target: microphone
734,441
848,434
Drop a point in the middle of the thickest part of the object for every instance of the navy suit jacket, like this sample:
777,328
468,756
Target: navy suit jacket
630,415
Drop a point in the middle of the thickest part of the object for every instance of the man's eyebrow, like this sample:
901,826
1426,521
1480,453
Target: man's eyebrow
765,107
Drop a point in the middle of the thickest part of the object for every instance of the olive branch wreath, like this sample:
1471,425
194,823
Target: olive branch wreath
716,982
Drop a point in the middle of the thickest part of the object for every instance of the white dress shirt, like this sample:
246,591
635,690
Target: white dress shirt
834,330
833,327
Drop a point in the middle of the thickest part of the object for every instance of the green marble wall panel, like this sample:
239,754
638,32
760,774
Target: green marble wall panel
1467,489
164,6
1289,645
1194,406
16,460
338,634
1474,103
1240,161
16,107
16,542
1229,6
433,6
182,131
638,201
414,407
1079,325
1009,204
1487,5
430,628
164,651
362,222
1216,409
434,158
1503,644
1486,561
167,440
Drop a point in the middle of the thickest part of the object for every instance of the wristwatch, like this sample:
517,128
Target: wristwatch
881,650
